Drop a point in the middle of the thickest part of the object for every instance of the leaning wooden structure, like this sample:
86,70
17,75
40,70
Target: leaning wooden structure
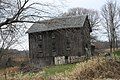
59,38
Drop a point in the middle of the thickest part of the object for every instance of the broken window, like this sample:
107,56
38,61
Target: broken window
40,48
68,48
53,35
40,45
40,37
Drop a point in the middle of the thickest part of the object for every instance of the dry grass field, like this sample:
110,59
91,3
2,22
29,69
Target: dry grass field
97,68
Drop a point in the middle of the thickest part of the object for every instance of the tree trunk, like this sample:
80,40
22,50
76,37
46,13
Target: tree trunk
116,42
1,53
111,47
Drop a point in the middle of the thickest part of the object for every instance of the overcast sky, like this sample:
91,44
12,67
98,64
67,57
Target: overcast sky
66,4
93,4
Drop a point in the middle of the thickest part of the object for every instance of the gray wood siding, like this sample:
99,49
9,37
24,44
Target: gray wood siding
67,42
64,42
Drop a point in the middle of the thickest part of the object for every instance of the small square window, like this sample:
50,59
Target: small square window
68,45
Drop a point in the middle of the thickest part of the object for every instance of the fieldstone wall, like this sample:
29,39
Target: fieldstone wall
46,61
71,59
59,60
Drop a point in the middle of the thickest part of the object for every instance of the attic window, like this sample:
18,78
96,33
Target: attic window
40,37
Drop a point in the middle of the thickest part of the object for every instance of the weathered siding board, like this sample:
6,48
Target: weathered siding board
48,43
79,46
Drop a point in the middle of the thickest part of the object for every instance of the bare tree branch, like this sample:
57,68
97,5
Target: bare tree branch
111,22
15,15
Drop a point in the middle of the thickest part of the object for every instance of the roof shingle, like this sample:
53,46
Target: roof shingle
58,23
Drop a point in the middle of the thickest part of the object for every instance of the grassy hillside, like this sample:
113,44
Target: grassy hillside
58,69
98,68
117,53
14,73
93,69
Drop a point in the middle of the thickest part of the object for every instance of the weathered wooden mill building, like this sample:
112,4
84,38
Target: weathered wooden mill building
59,37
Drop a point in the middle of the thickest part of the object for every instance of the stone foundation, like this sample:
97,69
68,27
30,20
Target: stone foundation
71,59
47,61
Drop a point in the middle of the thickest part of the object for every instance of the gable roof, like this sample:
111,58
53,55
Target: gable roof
58,23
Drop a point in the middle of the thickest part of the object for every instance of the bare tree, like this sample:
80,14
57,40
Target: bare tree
111,22
93,16
13,11
94,19
15,16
